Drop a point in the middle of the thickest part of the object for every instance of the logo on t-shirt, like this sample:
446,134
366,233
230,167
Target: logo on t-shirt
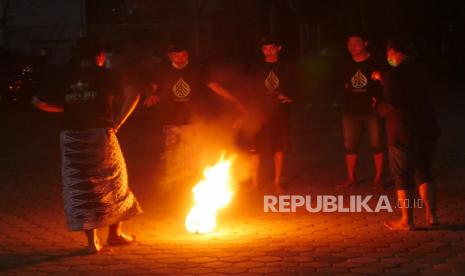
272,81
181,89
79,85
79,92
359,81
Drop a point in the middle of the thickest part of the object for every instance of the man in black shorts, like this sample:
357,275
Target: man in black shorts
362,89
272,85
412,130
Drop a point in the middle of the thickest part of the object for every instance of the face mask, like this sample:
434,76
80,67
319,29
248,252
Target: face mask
392,62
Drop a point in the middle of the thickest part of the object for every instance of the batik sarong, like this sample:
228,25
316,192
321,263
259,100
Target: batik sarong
95,180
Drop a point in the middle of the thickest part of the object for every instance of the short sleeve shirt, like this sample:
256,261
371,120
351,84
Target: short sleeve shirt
360,88
85,96
182,93
270,80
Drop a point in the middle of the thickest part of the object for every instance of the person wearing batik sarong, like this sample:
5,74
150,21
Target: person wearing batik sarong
94,175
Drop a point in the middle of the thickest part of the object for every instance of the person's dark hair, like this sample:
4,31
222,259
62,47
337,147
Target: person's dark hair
176,45
270,39
401,44
357,33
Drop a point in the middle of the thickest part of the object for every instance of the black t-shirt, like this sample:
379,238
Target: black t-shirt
360,88
412,118
86,97
182,93
271,79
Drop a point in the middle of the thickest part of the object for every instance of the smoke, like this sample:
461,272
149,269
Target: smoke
205,141
221,128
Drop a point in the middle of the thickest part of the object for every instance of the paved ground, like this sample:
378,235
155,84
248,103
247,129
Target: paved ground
34,239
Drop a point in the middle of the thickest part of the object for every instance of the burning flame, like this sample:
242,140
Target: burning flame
210,194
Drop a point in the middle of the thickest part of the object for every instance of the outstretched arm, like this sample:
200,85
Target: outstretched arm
44,106
131,98
225,94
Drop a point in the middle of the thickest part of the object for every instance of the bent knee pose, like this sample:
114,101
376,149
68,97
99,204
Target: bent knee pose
94,175
412,131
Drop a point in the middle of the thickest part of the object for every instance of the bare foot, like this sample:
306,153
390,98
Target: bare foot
398,225
120,239
94,248
432,220
347,184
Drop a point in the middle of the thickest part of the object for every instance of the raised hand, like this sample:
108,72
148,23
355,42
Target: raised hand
284,99
151,100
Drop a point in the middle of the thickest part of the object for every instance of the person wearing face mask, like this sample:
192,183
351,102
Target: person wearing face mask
412,131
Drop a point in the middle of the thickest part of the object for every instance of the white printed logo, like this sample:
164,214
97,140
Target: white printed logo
181,89
272,81
359,80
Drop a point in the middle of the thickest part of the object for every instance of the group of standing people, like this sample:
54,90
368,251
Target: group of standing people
396,96
94,175
179,87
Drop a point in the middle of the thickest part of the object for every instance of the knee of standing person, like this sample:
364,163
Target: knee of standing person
424,177
351,148
377,148
376,141
404,184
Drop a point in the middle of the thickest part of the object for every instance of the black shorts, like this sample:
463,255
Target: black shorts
412,164
353,127
271,137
